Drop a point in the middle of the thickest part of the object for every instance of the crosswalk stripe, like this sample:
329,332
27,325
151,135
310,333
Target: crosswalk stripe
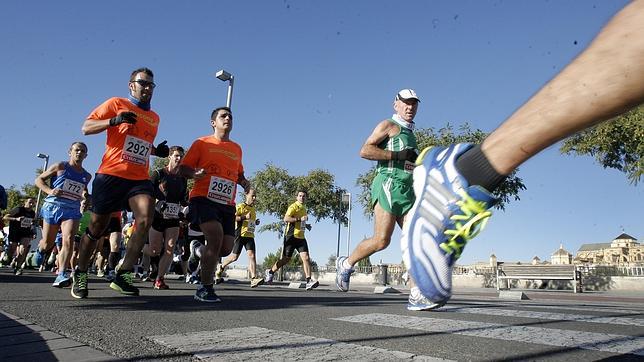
546,315
547,336
256,343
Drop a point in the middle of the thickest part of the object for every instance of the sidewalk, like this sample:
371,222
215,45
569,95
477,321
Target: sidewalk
21,340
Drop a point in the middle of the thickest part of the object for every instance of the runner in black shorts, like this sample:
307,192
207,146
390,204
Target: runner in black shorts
122,180
215,163
21,232
295,220
171,193
246,220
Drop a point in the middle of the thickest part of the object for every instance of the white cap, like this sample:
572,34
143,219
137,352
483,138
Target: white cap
405,94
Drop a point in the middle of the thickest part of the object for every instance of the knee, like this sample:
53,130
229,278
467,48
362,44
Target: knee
381,243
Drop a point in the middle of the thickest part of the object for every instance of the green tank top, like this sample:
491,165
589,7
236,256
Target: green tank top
398,170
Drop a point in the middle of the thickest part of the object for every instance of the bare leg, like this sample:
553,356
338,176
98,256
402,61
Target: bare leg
214,234
306,264
603,81
252,263
384,225
64,256
142,206
171,236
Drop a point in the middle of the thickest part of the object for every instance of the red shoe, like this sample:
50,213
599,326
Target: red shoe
160,284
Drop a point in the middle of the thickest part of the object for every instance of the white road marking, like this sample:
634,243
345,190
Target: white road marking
256,343
547,336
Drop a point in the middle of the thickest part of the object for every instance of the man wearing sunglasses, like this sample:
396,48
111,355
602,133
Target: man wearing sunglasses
122,180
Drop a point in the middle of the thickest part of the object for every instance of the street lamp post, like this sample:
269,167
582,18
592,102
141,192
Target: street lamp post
346,198
337,252
46,157
224,76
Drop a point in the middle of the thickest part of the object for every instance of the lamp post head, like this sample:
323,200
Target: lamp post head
42,155
223,75
346,198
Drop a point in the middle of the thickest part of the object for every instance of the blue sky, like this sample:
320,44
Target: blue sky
312,79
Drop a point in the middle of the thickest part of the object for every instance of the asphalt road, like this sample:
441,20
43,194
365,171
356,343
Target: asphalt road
278,323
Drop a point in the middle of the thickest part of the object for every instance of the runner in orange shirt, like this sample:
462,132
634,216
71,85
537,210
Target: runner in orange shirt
215,162
122,180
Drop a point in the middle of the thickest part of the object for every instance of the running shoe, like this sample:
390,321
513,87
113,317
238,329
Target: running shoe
17,271
160,284
207,294
447,214
100,273
342,274
110,275
268,276
193,260
145,277
63,280
37,258
219,274
312,284
124,283
418,302
256,282
79,285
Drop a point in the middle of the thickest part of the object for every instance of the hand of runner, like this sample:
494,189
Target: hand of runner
404,155
199,174
162,149
124,117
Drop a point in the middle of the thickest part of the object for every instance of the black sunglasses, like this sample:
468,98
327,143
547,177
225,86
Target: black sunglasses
144,83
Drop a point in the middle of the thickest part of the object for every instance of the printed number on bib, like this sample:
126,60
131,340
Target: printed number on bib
26,222
221,190
303,224
72,189
171,211
136,150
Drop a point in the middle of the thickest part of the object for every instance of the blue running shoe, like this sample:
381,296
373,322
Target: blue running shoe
447,214
63,280
37,258
207,294
342,274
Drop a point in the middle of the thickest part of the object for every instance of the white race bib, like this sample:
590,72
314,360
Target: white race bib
171,211
136,150
302,224
26,222
72,189
221,190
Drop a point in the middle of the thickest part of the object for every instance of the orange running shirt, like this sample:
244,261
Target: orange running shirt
128,146
222,161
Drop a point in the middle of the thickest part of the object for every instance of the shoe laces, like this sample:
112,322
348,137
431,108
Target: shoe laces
82,280
469,223
128,277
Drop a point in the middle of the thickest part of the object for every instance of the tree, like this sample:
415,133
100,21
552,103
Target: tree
618,144
445,136
276,190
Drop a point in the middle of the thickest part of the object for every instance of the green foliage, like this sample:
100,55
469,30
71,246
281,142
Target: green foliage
445,136
276,190
365,262
618,144
16,197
